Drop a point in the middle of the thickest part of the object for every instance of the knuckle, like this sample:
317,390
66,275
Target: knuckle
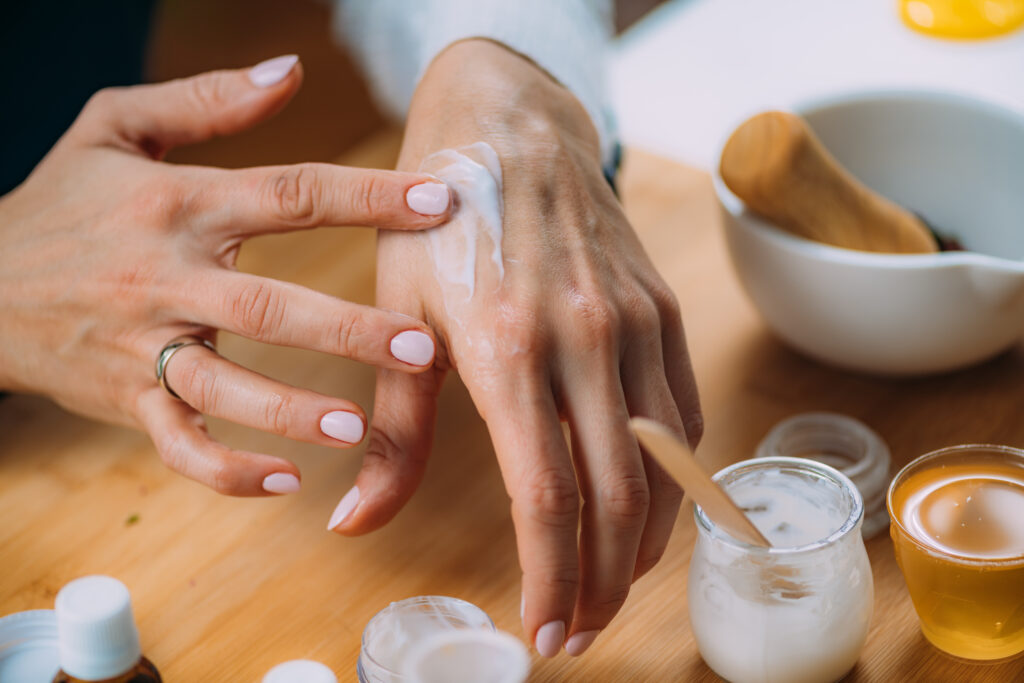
647,562
667,304
277,414
157,203
694,426
597,321
562,579
173,452
663,487
610,600
552,498
223,477
342,335
369,196
102,101
623,500
210,92
521,327
293,194
257,307
198,384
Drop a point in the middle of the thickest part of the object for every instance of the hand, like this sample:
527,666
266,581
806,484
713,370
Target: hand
106,254
580,328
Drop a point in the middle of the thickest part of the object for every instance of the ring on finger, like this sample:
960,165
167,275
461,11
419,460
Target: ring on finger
171,348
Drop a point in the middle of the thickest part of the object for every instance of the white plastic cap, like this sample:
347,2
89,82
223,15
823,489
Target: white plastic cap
300,671
96,633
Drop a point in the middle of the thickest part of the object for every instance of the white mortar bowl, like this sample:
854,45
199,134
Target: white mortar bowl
956,161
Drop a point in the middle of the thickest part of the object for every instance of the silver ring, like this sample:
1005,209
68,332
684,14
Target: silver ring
171,348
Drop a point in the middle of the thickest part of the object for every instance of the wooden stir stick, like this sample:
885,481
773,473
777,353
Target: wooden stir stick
678,461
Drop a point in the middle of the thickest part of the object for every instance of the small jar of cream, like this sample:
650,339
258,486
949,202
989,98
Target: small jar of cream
798,611
846,444
395,633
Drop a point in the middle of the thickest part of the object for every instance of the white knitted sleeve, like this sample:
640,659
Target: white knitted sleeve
395,40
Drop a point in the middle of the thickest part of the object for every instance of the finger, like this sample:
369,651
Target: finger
151,119
405,409
535,463
255,201
180,437
648,395
678,369
615,493
215,386
286,314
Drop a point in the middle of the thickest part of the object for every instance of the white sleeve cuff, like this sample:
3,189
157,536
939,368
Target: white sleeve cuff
395,41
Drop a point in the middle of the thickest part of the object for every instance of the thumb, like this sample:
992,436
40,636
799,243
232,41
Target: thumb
151,119
401,434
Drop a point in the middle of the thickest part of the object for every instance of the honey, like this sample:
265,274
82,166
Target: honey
958,533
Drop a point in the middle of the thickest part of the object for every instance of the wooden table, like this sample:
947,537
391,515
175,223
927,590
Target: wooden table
225,588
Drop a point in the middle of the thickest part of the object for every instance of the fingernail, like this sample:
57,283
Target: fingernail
272,71
579,642
281,482
412,347
549,638
430,199
522,607
345,508
343,426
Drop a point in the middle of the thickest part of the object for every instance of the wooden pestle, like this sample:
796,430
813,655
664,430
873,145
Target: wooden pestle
779,168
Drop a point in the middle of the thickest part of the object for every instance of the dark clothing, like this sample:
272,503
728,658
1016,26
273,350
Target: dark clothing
55,55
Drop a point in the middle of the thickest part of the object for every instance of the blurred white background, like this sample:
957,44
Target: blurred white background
688,72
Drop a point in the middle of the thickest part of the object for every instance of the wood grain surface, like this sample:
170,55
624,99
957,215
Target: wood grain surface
226,588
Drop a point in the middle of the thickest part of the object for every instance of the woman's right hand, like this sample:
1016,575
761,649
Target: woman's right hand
106,254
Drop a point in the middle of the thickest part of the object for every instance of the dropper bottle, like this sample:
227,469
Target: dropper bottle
97,637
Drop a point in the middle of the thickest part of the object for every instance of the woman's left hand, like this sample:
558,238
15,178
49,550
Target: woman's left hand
581,328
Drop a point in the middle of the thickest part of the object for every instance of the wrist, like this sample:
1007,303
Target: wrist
478,89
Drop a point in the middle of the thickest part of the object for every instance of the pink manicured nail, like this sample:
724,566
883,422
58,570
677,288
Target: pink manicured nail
522,607
412,347
272,71
430,199
343,426
345,508
579,642
549,638
281,482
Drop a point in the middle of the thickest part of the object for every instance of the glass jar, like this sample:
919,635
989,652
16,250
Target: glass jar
394,632
798,611
846,444
958,535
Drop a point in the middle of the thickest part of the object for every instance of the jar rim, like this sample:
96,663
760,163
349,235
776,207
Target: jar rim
922,460
417,599
846,486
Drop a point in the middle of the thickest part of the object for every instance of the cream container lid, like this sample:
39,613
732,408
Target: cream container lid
842,442
300,671
28,646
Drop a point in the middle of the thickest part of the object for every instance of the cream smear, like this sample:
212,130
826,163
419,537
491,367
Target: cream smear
466,251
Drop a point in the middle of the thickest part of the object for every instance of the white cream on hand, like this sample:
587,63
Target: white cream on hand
466,251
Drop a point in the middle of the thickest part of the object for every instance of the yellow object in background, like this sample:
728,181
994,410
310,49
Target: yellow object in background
965,19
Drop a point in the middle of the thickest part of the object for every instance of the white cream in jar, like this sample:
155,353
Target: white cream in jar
393,635
797,612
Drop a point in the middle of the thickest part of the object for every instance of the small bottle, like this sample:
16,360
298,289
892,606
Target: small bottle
96,634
